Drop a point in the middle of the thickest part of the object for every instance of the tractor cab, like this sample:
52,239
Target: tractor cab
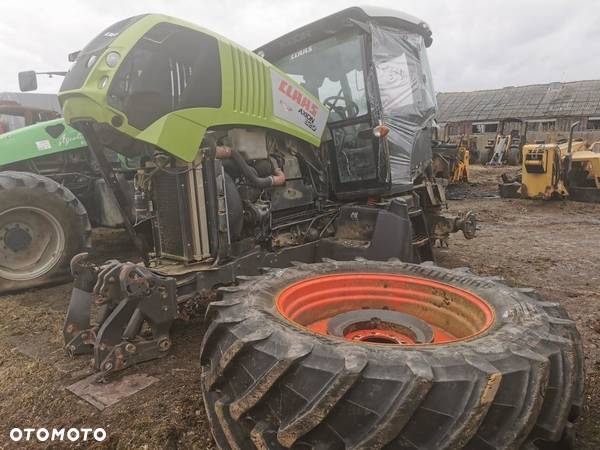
369,67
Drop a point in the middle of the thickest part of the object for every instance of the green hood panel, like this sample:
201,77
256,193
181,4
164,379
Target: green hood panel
40,139
229,86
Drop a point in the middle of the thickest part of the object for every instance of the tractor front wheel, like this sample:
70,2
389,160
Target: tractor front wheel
42,225
388,355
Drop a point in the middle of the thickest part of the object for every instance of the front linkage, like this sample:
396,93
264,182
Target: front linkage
126,297
135,307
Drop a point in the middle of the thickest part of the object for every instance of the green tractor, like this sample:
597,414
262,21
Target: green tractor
291,190
51,193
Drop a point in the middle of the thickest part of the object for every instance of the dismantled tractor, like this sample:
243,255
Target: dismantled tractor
271,173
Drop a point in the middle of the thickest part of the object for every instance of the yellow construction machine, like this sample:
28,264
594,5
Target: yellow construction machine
451,160
550,171
507,148
582,171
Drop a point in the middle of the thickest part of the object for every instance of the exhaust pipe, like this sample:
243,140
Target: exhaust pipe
573,125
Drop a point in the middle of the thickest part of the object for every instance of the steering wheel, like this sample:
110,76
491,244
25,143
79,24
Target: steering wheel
350,108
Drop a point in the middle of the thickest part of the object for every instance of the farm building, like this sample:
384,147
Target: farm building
547,110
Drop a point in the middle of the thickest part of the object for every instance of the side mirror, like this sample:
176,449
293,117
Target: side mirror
73,56
28,81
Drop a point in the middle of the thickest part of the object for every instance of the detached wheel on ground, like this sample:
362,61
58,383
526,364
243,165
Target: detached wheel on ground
42,225
349,355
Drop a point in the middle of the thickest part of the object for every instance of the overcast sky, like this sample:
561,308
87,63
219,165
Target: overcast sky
476,44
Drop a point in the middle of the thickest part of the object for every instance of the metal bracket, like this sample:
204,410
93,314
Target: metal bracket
126,297
112,182
77,328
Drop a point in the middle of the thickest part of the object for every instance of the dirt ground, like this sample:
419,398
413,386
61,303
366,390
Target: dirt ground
552,246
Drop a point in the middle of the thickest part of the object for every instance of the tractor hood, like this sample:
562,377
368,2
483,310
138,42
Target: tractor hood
164,81
40,139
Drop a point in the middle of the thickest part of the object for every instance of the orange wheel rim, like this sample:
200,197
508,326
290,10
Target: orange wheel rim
385,309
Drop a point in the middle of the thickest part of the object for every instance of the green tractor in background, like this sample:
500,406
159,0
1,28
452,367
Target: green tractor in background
51,193
290,191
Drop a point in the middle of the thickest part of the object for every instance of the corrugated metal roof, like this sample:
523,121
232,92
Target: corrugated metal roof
577,98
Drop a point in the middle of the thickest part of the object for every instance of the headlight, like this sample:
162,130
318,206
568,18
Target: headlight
112,59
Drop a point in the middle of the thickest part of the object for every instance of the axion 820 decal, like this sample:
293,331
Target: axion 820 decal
291,103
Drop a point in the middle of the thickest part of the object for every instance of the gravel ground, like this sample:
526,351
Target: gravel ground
552,246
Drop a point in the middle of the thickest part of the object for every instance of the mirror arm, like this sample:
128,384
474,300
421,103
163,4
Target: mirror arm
50,74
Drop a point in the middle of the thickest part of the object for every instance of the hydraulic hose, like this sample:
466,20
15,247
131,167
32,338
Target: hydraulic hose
277,179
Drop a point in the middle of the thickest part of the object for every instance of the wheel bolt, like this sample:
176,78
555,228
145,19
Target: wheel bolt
130,348
164,344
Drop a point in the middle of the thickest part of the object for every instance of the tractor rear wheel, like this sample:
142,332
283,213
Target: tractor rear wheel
389,355
42,225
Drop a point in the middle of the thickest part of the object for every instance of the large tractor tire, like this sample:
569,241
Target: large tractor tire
369,355
42,226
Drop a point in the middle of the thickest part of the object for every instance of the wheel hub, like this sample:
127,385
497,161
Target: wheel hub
380,326
32,241
385,308
17,237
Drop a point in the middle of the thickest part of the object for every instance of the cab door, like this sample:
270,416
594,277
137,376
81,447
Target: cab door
356,166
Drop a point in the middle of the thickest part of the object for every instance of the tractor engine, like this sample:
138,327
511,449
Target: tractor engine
265,186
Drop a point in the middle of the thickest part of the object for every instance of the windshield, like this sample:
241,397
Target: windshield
332,70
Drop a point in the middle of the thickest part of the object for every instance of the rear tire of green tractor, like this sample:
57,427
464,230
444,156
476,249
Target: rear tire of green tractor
294,359
42,226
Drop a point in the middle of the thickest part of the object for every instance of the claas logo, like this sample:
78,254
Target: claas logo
297,96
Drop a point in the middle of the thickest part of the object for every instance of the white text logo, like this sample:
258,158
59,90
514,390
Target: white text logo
57,434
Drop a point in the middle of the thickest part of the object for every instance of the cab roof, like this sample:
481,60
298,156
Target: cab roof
339,21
